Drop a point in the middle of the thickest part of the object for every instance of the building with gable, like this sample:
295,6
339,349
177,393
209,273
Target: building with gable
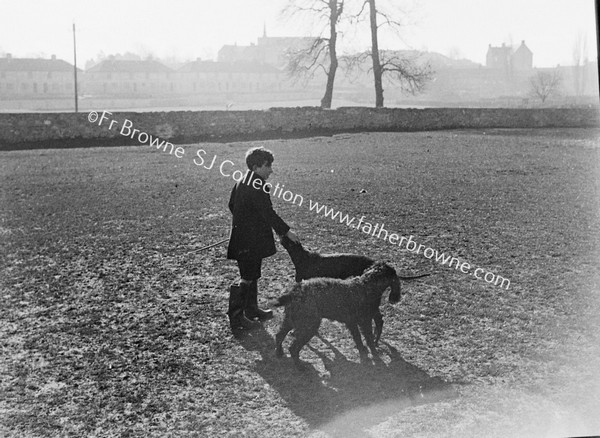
143,78
35,77
504,58
522,58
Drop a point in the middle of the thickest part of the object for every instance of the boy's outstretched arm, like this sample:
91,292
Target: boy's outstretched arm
273,219
292,236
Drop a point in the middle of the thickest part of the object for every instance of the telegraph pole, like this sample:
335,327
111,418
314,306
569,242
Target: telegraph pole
75,68
597,8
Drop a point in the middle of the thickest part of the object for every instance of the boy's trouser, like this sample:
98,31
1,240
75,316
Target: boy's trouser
250,269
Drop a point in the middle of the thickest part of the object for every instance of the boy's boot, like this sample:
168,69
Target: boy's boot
237,303
252,309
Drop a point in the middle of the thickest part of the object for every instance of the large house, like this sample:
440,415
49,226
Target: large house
522,59
131,78
504,58
31,77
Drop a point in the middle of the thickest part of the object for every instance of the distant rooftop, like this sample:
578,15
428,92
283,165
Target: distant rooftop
9,63
200,66
129,66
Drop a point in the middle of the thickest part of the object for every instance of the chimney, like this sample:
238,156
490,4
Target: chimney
53,57
8,56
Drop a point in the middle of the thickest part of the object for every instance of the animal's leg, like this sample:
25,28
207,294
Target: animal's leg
285,328
357,340
302,336
367,330
378,319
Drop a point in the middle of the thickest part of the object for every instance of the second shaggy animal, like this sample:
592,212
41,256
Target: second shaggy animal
310,264
351,302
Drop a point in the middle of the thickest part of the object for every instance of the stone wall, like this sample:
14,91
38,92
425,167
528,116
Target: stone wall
43,130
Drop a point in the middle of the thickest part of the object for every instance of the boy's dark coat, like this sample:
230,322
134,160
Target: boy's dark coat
253,218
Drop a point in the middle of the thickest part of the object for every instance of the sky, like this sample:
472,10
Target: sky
191,29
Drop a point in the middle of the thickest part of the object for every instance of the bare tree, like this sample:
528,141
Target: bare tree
404,70
544,84
321,54
580,58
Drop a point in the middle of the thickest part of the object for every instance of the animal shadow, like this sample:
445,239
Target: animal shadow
350,396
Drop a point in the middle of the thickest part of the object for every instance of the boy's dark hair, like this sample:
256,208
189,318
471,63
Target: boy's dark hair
258,156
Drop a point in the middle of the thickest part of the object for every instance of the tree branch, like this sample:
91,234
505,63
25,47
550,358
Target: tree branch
408,72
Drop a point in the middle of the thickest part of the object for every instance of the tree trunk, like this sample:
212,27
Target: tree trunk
333,62
377,73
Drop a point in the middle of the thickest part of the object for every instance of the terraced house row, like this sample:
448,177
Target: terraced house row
243,72
29,77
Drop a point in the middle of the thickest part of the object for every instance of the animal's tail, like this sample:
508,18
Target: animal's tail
413,277
282,300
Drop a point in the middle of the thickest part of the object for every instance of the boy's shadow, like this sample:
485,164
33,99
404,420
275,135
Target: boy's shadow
355,396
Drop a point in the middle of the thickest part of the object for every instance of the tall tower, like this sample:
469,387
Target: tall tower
264,29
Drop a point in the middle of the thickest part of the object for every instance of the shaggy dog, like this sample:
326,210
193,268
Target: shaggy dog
311,264
353,302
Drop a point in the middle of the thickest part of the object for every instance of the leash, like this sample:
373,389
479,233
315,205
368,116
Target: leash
209,246
413,277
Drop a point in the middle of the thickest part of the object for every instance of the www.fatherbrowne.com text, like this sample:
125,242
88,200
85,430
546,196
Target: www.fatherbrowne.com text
227,169
378,231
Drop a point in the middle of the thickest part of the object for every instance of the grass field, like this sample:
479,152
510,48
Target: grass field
111,324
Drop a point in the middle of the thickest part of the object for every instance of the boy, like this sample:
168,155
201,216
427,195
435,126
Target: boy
251,238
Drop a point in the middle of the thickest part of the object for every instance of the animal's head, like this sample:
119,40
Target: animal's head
385,275
290,245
